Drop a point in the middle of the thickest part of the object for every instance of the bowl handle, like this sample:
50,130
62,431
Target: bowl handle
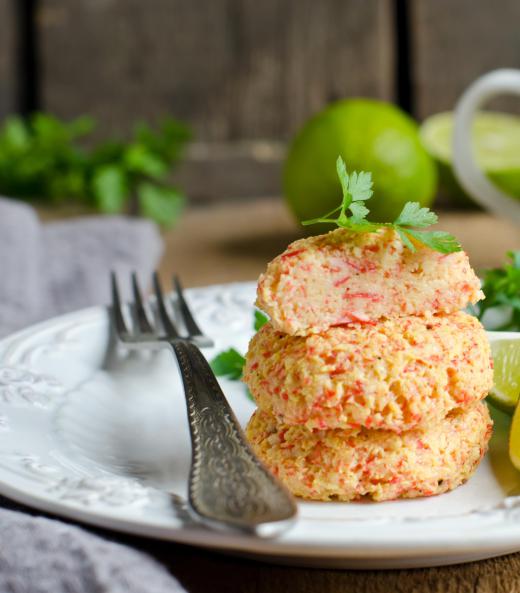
469,174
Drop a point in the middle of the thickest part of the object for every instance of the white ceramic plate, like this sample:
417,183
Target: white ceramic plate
96,435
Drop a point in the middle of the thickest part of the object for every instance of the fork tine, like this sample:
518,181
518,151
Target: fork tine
189,322
194,330
167,323
117,309
141,316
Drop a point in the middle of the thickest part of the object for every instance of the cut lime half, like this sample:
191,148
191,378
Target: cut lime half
506,388
496,141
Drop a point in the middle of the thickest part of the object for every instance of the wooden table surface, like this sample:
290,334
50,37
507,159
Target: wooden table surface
234,242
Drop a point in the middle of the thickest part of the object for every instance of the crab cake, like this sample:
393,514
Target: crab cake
382,465
393,375
344,277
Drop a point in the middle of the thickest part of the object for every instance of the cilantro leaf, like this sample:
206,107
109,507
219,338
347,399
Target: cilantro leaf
360,186
229,363
344,179
437,240
260,320
405,239
413,215
502,287
359,211
357,188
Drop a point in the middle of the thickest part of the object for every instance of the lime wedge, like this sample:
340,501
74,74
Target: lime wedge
496,138
506,388
514,439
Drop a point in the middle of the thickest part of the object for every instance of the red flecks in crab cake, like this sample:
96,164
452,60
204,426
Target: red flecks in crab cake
344,277
394,375
348,465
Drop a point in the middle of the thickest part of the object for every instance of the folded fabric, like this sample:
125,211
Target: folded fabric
79,255
57,267
47,269
39,555
22,299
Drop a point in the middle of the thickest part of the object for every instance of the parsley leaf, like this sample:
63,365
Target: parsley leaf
260,320
352,215
359,211
502,288
437,240
413,215
356,188
360,185
228,364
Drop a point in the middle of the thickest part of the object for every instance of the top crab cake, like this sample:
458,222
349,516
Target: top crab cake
343,277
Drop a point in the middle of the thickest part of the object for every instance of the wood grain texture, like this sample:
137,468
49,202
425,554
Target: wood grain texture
238,170
234,69
455,42
8,48
201,571
234,242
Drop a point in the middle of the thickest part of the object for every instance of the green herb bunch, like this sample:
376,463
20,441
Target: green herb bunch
43,158
410,224
501,287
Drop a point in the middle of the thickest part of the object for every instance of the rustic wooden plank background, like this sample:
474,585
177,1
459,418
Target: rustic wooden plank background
239,72
453,43
8,50
235,70
245,74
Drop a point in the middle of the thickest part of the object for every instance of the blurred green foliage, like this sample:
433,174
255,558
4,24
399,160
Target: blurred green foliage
43,158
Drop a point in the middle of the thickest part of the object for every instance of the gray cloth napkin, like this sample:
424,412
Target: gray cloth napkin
58,267
46,270
39,555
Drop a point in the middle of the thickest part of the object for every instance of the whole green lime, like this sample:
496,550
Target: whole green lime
370,136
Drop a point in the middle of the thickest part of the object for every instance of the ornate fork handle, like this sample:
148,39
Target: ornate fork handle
228,486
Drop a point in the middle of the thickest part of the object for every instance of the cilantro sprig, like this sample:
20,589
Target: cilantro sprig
230,363
352,212
501,287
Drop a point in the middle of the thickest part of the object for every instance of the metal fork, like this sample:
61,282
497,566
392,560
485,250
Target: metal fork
229,488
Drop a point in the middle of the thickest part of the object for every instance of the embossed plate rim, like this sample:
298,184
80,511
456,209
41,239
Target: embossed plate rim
485,533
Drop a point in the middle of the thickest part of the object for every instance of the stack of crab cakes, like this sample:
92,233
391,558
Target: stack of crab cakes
369,379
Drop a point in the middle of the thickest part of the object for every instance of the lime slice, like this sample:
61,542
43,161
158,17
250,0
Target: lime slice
514,439
496,138
506,388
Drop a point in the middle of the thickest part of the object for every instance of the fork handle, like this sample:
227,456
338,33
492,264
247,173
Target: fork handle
228,486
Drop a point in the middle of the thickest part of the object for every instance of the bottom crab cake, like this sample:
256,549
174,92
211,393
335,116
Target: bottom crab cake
347,465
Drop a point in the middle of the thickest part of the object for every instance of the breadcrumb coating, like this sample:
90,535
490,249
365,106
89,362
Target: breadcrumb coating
394,375
349,465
